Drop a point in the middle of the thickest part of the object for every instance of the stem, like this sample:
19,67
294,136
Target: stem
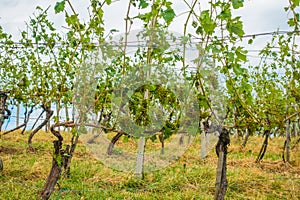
37,119
27,117
49,113
184,33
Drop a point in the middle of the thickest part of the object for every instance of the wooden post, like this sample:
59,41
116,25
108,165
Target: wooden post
203,145
1,165
287,142
140,158
245,139
67,116
57,112
141,146
293,133
48,126
221,151
18,115
218,192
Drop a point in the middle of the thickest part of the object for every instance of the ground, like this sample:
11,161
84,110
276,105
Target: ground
190,177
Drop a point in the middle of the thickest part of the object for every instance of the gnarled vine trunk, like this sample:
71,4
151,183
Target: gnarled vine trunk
55,172
3,109
60,161
113,142
264,146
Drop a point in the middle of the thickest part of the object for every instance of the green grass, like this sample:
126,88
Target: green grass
190,177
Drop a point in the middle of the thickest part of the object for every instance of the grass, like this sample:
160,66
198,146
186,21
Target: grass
189,177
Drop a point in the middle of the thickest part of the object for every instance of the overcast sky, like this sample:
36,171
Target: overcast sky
257,15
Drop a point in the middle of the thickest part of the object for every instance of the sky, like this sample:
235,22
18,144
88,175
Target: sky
257,15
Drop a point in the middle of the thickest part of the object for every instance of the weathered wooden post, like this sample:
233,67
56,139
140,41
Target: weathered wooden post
221,151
